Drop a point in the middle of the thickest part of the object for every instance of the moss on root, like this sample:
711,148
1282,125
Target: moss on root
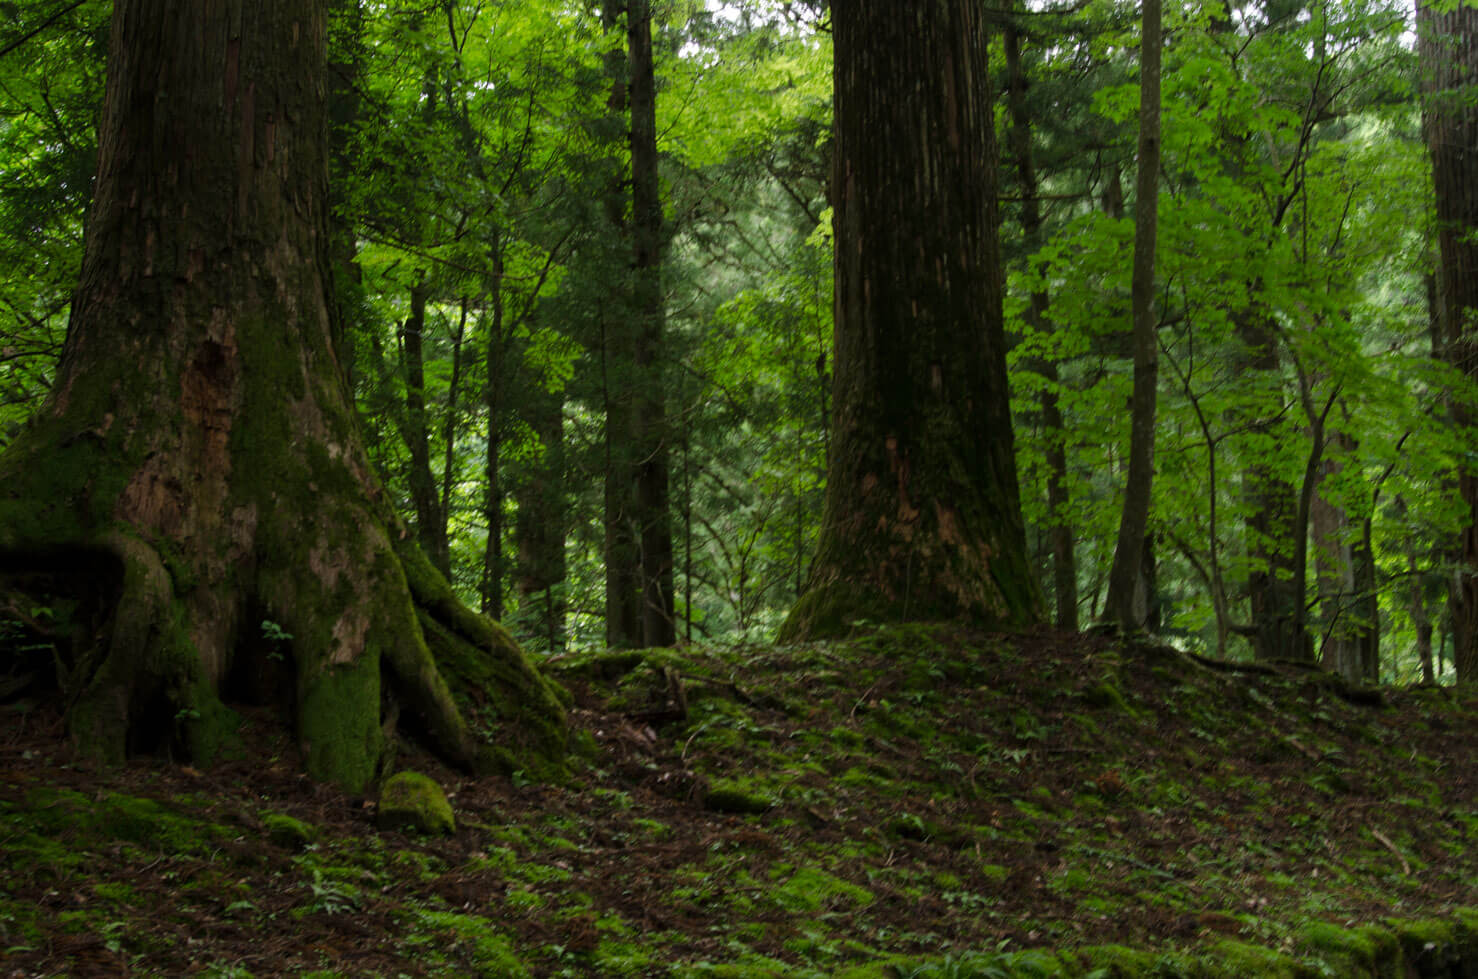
519,711
339,720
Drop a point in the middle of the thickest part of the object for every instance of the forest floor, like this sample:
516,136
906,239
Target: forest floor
919,802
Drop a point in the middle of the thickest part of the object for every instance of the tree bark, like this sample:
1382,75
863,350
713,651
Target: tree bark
649,428
923,517
1128,601
1448,45
430,518
199,449
540,527
622,548
1274,586
494,363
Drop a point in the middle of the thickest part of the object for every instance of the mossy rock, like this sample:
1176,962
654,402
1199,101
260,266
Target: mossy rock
287,832
411,801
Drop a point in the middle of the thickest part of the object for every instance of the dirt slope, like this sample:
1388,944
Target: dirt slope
919,802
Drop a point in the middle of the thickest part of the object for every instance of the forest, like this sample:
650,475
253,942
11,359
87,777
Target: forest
932,489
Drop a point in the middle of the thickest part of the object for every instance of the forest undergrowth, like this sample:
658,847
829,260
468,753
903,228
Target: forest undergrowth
916,802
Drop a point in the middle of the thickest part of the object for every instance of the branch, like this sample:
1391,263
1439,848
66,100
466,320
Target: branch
43,26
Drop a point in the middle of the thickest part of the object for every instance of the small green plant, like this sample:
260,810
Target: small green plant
332,897
275,634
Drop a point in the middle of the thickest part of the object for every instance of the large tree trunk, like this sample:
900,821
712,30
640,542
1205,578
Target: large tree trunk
1449,52
199,453
923,517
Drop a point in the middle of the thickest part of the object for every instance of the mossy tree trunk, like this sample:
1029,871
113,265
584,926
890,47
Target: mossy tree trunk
199,453
1448,44
923,517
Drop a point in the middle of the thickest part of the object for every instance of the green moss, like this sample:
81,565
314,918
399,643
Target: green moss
339,720
118,893
994,872
1106,695
1120,962
822,613
410,800
491,951
809,889
741,796
285,831
520,713
1240,959
212,730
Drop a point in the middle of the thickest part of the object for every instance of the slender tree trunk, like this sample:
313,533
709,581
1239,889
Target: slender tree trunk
492,507
540,527
1420,619
1128,602
622,539
1060,534
1448,44
449,424
1367,606
1274,598
430,521
923,518
1334,574
653,517
199,452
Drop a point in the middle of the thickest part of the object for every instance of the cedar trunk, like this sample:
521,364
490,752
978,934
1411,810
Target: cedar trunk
198,460
923,518
1449,53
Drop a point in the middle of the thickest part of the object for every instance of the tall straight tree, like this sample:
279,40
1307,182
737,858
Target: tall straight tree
1448,40
650,477
197,469
1127,605
1060,532
923,514
639,589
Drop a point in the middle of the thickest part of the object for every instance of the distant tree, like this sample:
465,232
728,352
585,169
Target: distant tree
923,517
1060,530
1448,38
196,478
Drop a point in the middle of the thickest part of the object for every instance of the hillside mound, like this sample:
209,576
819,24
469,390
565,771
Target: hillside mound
913,802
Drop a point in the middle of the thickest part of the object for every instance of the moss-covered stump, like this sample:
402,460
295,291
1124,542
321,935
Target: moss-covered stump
410,801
